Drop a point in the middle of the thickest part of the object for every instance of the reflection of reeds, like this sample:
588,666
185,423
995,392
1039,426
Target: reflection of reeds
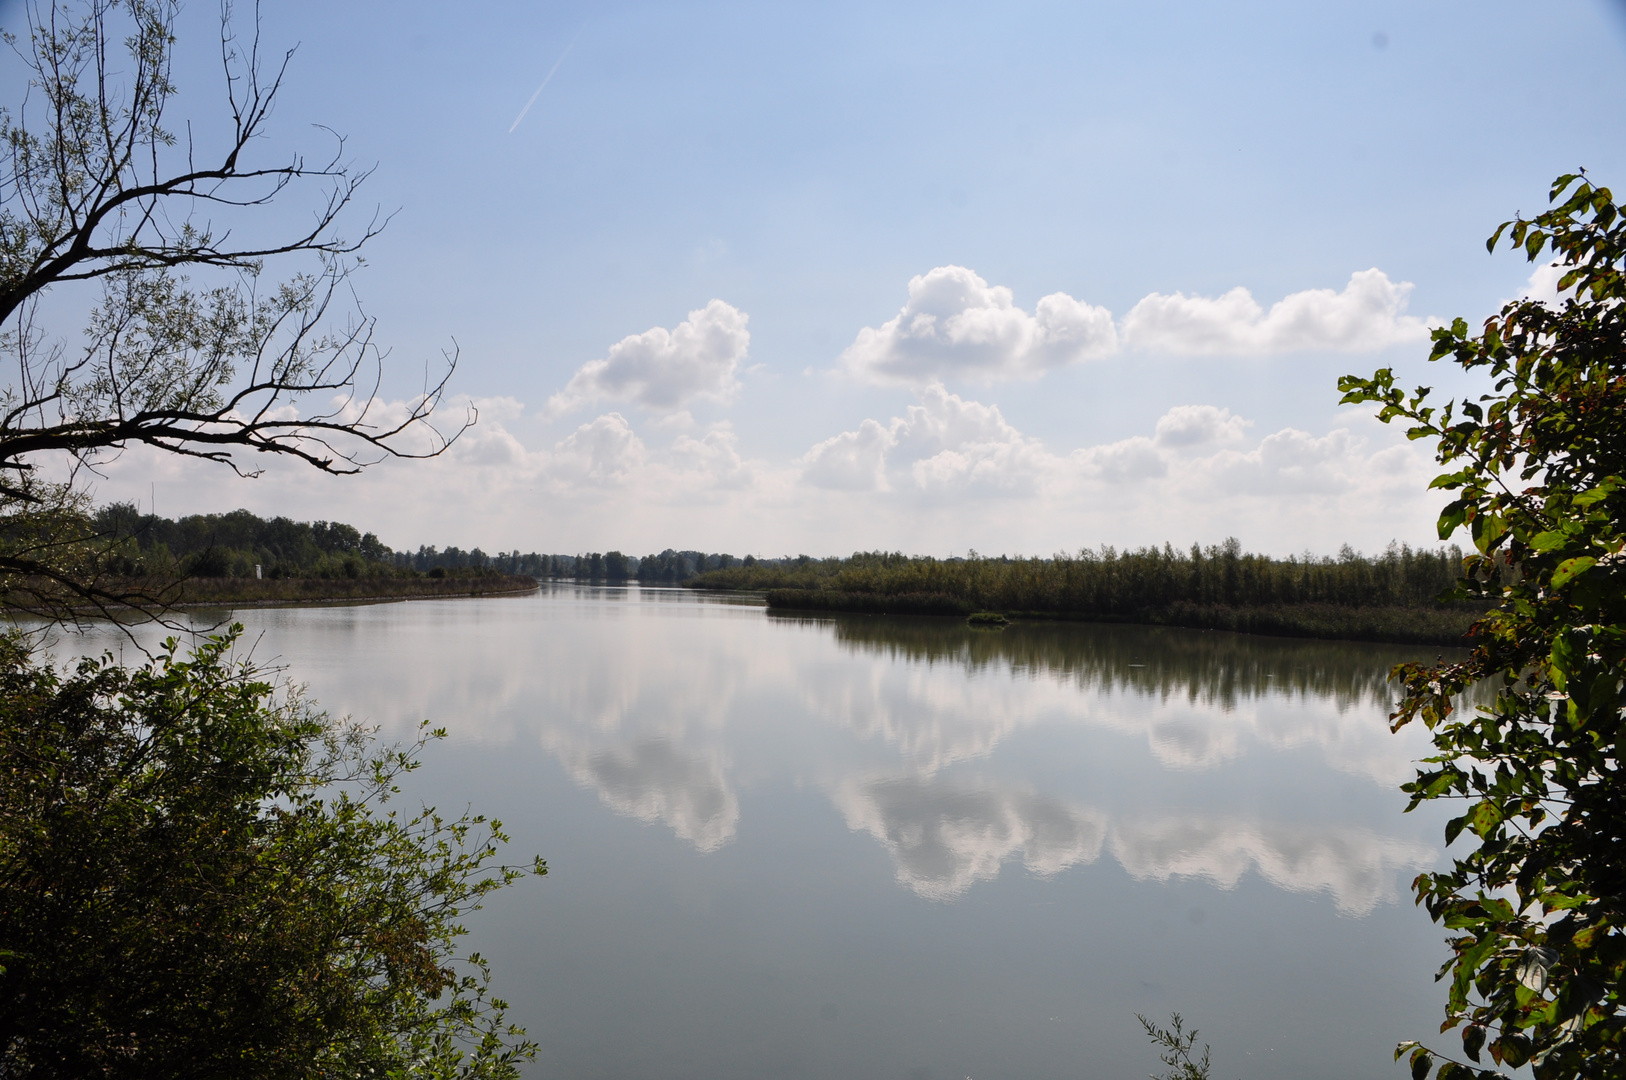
1397,625
1213,668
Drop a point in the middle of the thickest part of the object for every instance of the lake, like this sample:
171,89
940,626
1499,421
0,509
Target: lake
874,847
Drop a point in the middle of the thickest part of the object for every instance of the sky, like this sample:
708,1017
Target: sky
1019,278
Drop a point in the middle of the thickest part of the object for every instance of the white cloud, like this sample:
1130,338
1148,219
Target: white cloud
1368,314
851,461
945,443
956,325
664,370
920,480
1199,425
715,454
1127,460
604,451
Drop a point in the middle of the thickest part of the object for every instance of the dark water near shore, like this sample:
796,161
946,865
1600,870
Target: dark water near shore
866,847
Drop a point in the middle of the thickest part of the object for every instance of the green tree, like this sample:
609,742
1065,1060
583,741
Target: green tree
201,876
190,347
1536,905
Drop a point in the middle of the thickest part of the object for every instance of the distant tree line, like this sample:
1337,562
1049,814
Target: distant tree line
670,567
234,544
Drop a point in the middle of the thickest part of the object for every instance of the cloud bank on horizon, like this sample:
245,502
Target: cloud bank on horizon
944,465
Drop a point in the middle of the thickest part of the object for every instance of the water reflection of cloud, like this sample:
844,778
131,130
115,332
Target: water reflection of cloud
943,837
1356,866
946,835
651,780
935,716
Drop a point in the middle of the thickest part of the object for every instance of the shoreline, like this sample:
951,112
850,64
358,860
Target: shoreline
293,592
381,598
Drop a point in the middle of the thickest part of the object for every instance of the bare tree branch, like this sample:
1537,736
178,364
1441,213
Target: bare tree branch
95,188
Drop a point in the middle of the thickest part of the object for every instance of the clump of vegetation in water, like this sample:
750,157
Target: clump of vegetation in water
1393,596
1178,1049
987,620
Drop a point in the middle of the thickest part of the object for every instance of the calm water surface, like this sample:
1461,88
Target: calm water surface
865,847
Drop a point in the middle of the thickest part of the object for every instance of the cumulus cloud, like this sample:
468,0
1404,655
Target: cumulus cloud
852,460
944,443
1368,314
1199,425
664,370
716,455
1125,461
956,325
604,451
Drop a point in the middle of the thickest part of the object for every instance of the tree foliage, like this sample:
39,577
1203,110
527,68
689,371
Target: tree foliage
1535,470
201,876
189,347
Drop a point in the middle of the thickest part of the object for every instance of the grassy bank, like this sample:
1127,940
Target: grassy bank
250,592
1387,597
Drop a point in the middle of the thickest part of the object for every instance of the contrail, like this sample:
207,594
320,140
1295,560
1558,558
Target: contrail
539,89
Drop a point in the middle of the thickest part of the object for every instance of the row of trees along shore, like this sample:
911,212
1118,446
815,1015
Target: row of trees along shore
239,557
1391,596
232,545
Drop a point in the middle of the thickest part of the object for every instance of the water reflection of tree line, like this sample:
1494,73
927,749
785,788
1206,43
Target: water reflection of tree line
1215,668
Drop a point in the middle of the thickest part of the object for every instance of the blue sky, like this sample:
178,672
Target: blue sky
802,164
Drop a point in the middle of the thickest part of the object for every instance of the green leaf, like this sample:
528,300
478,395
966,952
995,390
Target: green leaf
1485,817
1451,519
1570,568
1487,529
1563,660
1421,1062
